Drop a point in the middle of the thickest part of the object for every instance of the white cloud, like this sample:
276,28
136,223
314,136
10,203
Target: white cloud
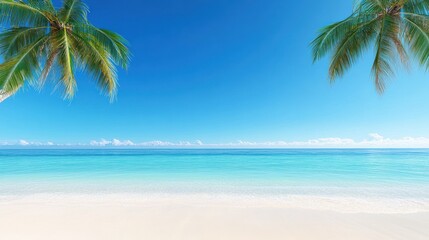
102,143
23,143
406,142
156,144
116,142
374,140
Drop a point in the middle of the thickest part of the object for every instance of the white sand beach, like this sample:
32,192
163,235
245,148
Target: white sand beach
42,218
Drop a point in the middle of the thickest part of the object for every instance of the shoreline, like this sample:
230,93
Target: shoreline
339,204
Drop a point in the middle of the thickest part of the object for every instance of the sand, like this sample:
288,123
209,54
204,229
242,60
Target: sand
197,219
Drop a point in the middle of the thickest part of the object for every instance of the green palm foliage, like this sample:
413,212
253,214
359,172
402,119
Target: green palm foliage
41,38
395,28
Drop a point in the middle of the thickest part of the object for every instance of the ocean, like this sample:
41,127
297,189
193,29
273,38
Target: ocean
398,174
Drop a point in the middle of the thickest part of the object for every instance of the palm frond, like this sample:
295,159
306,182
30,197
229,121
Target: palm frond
13,40
43,5
18,13
52,55
385,46
393,24
15,71
364,11
369,6
403,55
115,44
73,11
382,4
417,33
329,36
63,40
397,37
66,62
417,6
97,61
350,47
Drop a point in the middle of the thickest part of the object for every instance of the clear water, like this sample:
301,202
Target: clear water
401,173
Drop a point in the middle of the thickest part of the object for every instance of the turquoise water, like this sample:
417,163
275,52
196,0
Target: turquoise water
399,172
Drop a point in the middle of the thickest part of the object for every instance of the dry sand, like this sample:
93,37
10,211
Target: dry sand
174,219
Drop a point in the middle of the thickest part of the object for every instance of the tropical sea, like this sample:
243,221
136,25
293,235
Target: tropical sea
385,180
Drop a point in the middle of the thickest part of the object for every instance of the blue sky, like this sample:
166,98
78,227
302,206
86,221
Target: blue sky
222,71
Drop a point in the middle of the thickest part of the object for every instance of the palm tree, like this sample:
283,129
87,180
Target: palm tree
396,27
40,38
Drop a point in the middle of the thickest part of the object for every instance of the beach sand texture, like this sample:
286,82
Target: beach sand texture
193,220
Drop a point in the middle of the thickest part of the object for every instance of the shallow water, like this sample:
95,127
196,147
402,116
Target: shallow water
401,173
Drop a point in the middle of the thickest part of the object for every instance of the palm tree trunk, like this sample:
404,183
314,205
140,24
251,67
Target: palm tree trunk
4,95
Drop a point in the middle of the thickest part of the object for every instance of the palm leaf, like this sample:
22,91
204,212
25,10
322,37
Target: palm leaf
350,47
403,55
396,37
62,39
15,71
73,11
364,11
65,59
381,67
392,23
20,13
97,61
417,32
115,44
13,40
369,6
329,36
416,6
52,56
43,5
